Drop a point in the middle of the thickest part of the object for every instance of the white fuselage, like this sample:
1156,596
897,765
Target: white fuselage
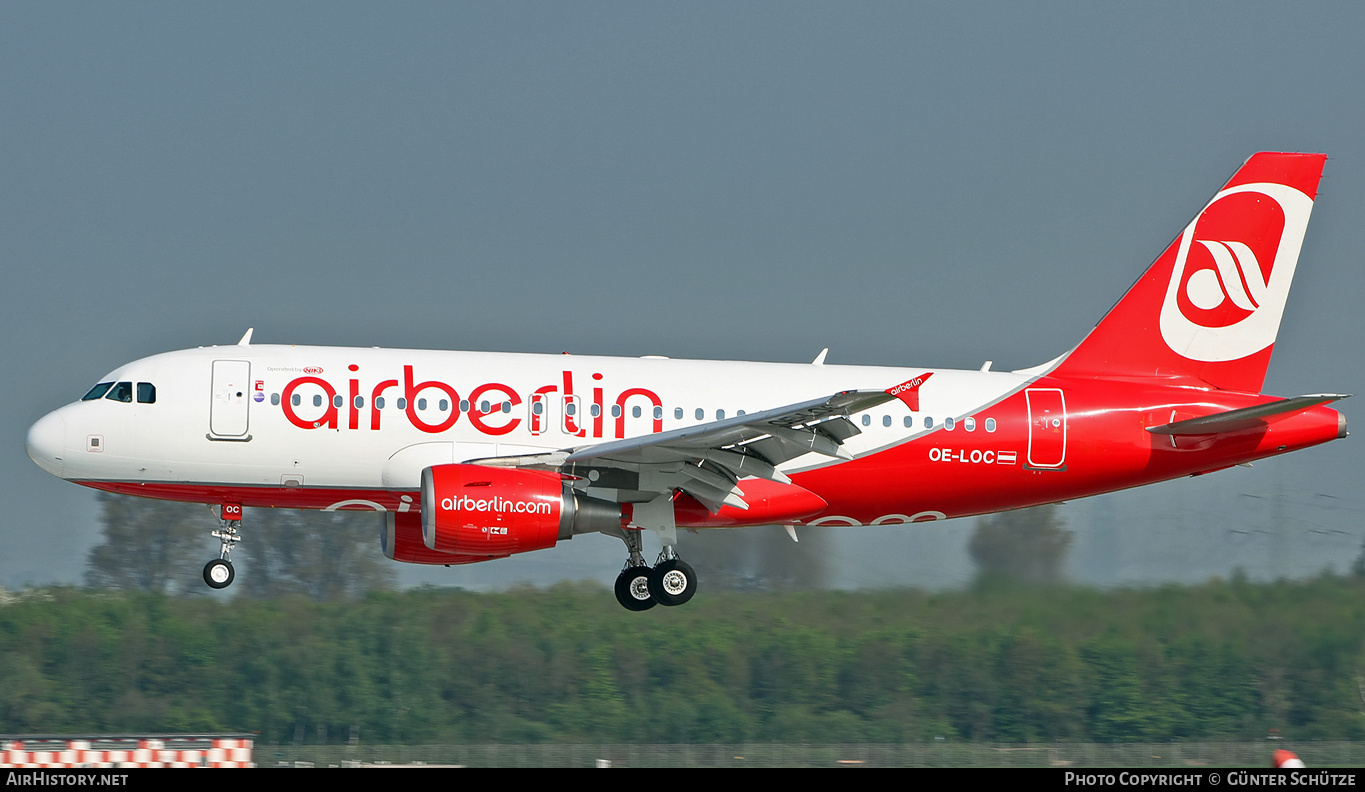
371,419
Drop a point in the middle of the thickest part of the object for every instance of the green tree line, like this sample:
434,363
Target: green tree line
1004,662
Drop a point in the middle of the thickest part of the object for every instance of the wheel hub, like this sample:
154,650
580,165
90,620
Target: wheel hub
675,582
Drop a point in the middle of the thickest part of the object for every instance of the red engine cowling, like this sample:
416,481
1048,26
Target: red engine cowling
488,511
402,541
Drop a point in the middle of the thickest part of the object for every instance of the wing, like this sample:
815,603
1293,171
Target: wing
707,461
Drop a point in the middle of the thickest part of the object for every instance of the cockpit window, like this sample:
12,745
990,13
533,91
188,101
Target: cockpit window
98,391
122,392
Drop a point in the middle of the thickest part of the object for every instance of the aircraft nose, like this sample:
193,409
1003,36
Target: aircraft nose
46,444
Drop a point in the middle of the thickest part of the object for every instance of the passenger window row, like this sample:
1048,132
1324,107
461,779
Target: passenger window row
969,424
538,408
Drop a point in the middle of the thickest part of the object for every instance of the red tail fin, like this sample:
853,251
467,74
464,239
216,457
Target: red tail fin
1209,308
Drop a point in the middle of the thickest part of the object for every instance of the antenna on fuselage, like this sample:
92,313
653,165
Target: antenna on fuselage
246,338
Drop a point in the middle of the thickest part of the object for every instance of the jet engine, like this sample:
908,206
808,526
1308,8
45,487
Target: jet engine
401,540
493,512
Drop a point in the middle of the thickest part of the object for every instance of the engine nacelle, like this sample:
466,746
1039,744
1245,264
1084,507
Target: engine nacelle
401,540
490,511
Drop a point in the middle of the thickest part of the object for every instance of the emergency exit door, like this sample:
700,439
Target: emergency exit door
1046,428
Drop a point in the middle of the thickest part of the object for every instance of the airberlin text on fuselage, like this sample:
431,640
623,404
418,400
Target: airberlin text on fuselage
495,420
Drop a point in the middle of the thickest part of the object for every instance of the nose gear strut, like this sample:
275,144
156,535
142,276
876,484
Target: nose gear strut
219,573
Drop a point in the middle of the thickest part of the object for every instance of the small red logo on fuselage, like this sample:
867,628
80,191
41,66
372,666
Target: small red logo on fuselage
908,391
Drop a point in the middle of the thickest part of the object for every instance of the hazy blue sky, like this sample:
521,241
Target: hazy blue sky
907,184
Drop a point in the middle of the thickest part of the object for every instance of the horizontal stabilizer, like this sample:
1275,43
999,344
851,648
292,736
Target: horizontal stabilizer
1245,418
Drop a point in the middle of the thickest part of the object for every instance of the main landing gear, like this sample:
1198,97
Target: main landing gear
632,588
672,581
219,573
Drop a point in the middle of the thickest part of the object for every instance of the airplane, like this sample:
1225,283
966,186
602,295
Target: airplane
474,456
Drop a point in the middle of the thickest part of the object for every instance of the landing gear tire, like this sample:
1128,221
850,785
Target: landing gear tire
219,573
672,582
633,589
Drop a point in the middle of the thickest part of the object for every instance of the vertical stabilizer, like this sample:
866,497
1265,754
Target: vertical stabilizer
1208,310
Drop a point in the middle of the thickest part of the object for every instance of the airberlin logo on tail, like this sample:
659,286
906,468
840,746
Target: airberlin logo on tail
1227,292
1237,278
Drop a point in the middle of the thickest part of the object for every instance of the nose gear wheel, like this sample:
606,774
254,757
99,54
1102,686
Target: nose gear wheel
219,573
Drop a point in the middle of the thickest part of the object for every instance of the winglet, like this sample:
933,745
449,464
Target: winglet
820,358
246,338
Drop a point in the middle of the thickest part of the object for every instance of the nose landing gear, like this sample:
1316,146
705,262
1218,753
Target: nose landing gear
219,573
